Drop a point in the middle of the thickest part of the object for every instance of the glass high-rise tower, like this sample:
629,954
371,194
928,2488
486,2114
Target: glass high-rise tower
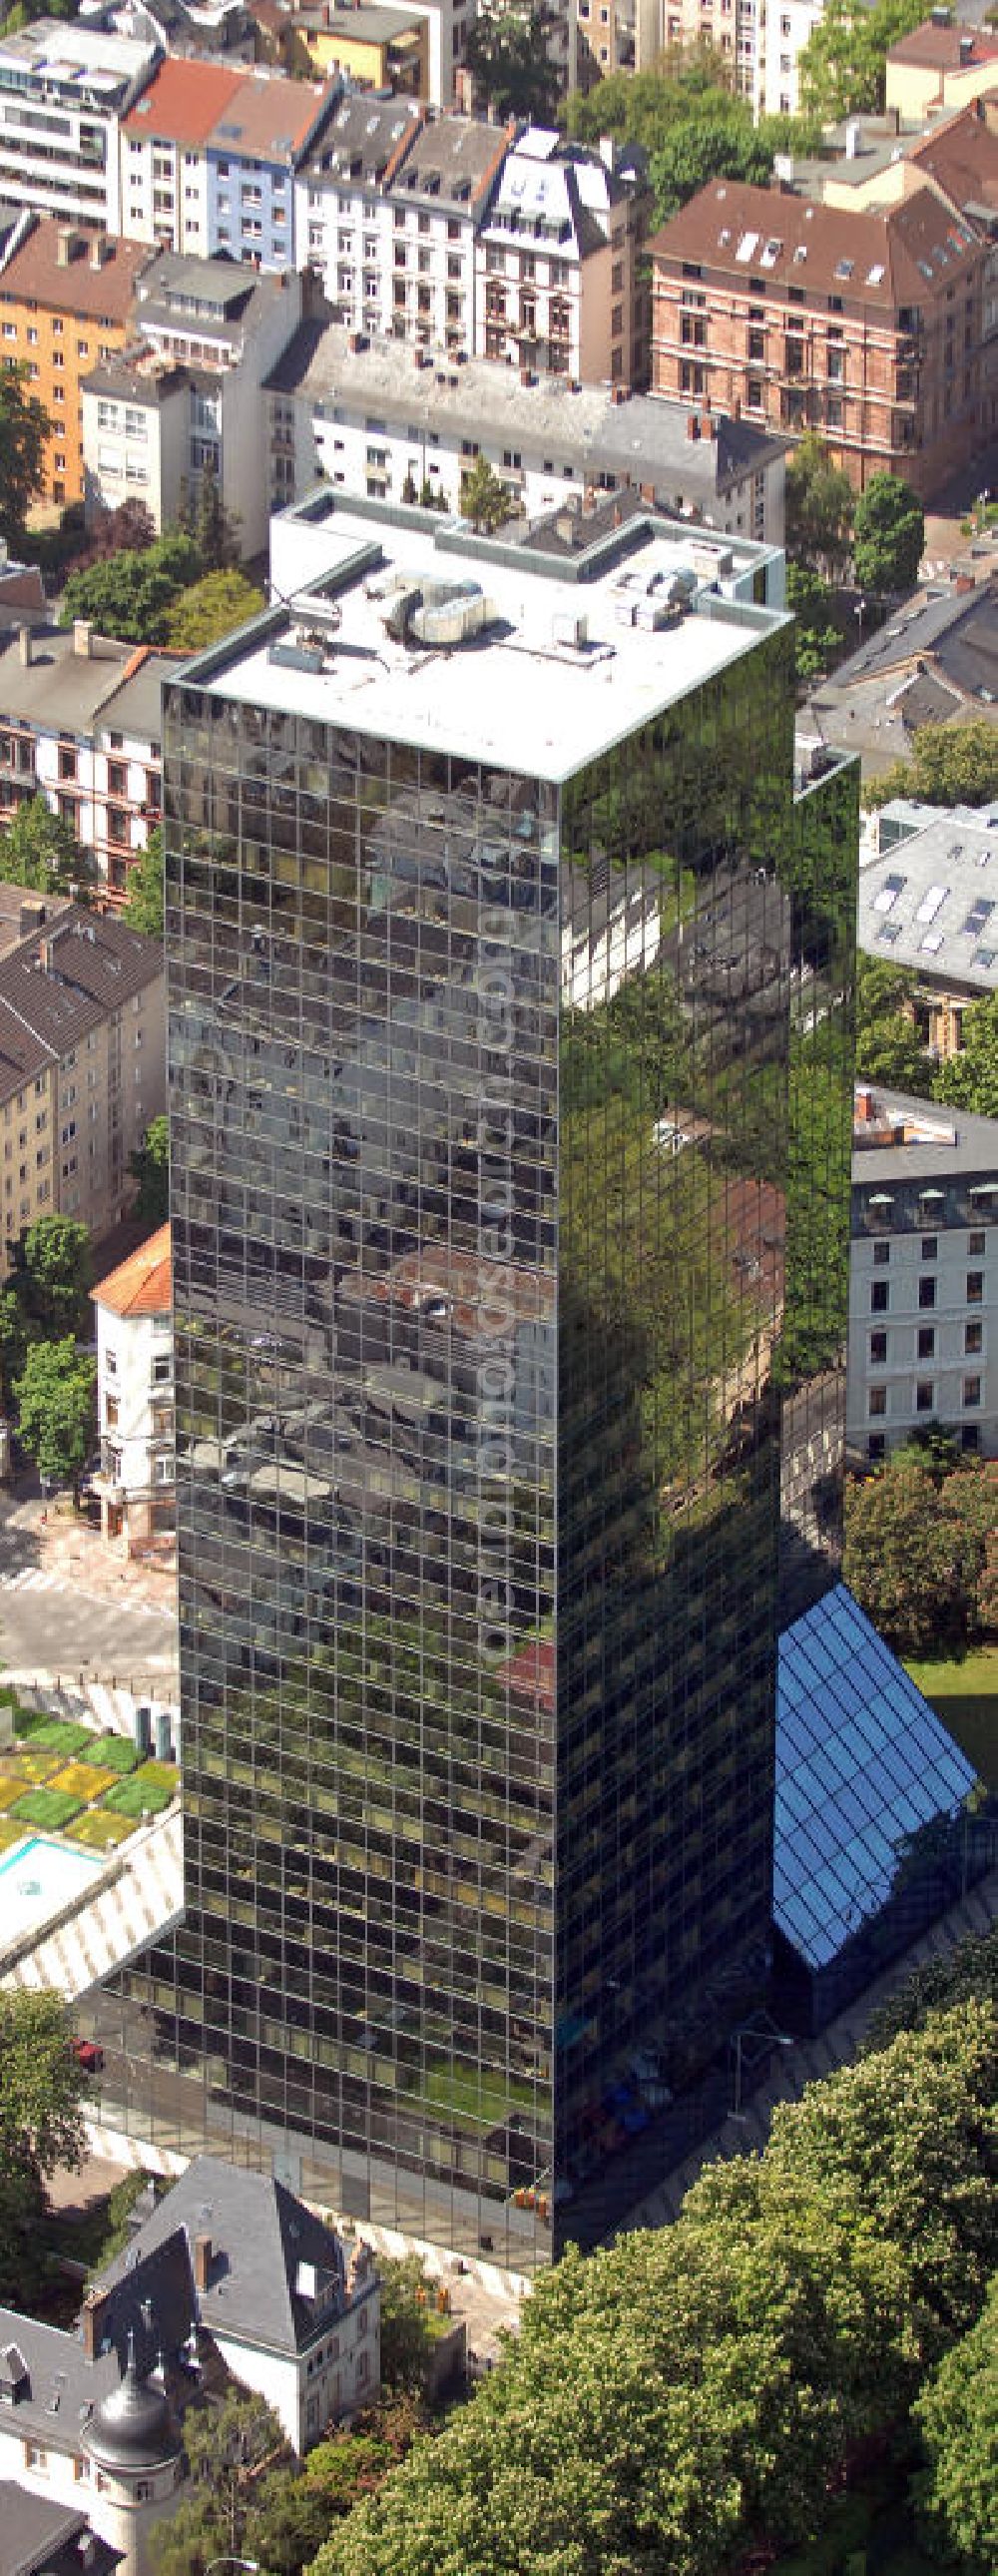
510,1095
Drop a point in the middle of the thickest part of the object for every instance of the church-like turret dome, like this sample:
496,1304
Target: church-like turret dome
132,2428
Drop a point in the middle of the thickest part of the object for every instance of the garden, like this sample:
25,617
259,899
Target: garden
60,1778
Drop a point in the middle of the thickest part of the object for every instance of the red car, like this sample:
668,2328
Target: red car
88,2055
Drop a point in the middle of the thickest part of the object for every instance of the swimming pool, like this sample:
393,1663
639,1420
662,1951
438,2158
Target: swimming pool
37,1878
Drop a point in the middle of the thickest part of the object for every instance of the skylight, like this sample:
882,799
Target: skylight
771,254
980,913
843,267
932,902
932,942
747,246
800,252
875,275
889,892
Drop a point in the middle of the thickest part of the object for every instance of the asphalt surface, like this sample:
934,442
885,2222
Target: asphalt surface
56,1624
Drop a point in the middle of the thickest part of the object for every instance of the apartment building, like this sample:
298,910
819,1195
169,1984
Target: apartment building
71,85
939,65
343,223
80,726
760,41
373,47
209,155
82,1068
866,327
186,394
440,195
65,305
923,1312
928,902
348,413
557,283
134,1307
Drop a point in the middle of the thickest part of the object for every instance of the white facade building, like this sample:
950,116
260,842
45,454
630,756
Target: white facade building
72,86
135,1394
555,280
343,221
923,1307
189,396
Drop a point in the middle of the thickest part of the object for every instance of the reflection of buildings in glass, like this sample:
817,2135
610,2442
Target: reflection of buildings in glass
485,973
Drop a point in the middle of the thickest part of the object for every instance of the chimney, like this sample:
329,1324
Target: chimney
64,246
865,1112
202,2262
966,49
83,638
608,152
692,425
24,646
90,2317
100,250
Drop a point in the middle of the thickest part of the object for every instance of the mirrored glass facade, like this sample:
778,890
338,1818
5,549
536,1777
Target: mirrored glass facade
493,1104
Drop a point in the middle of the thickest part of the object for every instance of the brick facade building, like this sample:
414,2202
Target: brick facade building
868,328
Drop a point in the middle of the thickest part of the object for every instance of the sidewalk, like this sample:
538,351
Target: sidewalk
66,1546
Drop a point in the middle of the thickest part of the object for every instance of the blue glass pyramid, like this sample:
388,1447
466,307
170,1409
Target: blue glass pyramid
862,1762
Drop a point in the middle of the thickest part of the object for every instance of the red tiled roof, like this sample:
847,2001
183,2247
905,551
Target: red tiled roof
142,1285
269,114
961,157
183,100
939,48
35,273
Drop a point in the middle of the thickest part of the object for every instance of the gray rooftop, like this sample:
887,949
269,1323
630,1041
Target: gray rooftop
62,981
60,2385
135,708
936,659
42,2538
451,163
646,436
60,690
264,2244
945,1145
930,900
361,139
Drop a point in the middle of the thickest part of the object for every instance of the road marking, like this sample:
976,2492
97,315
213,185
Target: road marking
33,1578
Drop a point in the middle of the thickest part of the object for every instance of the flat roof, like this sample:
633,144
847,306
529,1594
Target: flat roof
936,1142
559,671
930,899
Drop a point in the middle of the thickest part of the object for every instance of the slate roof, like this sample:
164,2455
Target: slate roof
260,2235
452,162
94,964
142,1285
57,2369
365,139
41,2537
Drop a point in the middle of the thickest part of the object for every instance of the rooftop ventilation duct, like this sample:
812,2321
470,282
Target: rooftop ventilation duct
439,613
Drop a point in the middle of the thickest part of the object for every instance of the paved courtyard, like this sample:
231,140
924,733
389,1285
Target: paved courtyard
71,1611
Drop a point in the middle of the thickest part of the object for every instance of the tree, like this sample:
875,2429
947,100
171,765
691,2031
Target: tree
210,609
150,1167
41,2086
225,2443
143,907
485,499
131,593
406,2341
888,535
951,764
215,529
131,525
957,2414
640,107
970,1080
24,430
842,68
506,50
819,639
888,1046
690,2396
819,508
55,1400
51,1278
916,1551
40,850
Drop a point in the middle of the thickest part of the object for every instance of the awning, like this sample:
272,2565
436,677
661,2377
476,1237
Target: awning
932,1194
983,1189
880,1198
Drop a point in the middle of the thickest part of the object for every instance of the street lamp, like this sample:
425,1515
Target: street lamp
769,2038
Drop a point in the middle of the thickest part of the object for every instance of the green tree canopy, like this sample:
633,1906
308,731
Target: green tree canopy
223,2440
143,909
819,636
150,1167
888,1046
957,2414
215,529
819,508
40,850
951,764
915,1552
888,534
842,68
641,107
210,609
485,499
506,50
24,429
41,2086
970,1080
130,594
51,1278
55,1403
691,2394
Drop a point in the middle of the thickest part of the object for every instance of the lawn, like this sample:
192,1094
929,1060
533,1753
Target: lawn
149,1790
114,1753
50,1809
97,1831
82,1781
963,1690
58,1734
9,1834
